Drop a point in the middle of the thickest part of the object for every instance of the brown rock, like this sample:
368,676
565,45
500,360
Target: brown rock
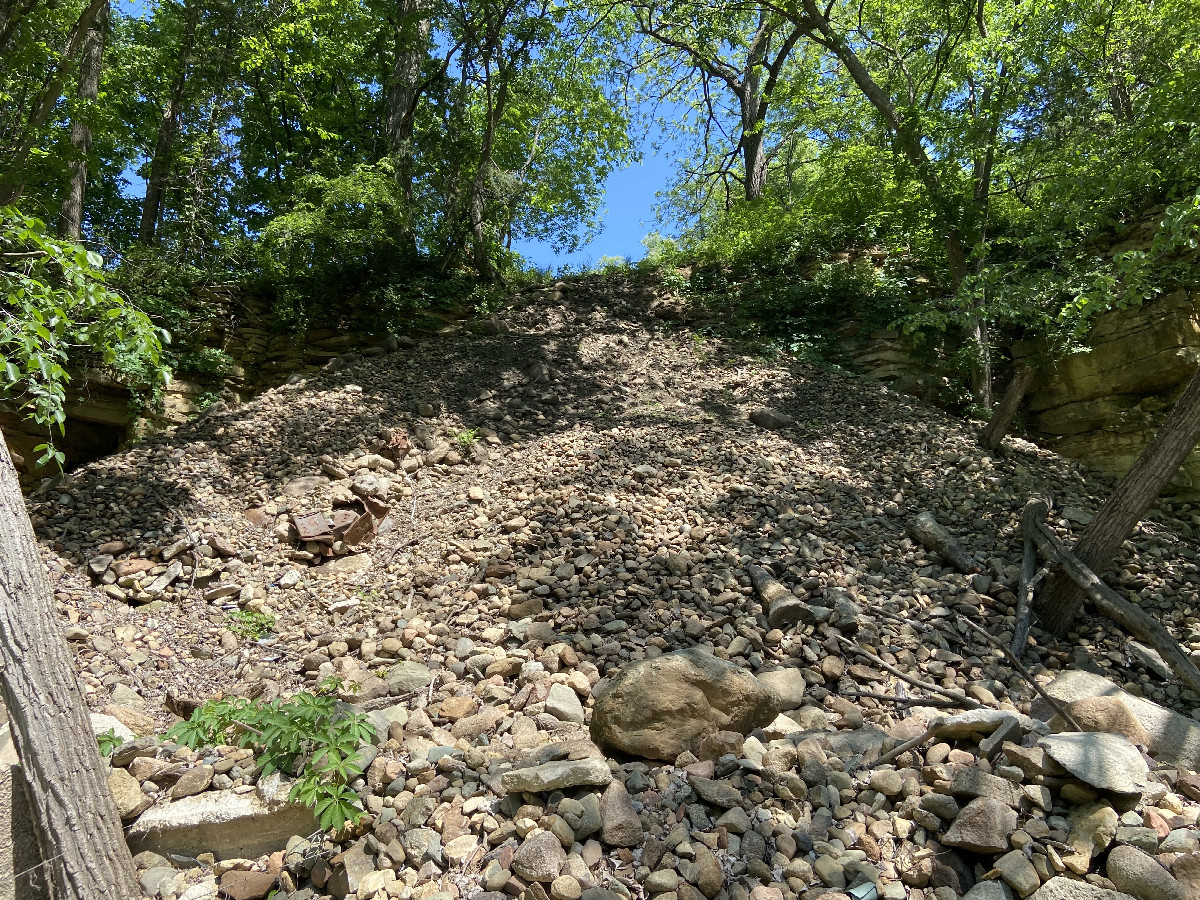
620,825
660,707
135,720
246,885
127,793
455,708
711,879
193,781
982,826
1108,714
123,567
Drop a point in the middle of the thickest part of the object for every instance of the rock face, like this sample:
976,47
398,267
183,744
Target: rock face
1100,407
224,823
1104,406
660,707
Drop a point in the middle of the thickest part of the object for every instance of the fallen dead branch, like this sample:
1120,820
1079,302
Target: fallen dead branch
907,701
1107,602
961,699
1024,673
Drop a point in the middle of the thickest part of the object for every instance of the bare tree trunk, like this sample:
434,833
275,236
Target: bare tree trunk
753,113
1059,604
160,165
412,36
479,214
72,803
70,223
997,427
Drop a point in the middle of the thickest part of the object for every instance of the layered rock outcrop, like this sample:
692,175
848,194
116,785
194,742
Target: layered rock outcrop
1104,406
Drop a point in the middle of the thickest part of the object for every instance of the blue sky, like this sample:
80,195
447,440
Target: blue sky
627,212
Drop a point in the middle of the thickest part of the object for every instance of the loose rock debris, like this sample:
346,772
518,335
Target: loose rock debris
580,501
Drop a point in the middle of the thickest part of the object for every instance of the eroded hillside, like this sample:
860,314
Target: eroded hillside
578,489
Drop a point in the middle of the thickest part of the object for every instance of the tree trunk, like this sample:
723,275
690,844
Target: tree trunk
754,113
412,36
483,262
1059,603
70,223
160,165
756,164
997,427
68,786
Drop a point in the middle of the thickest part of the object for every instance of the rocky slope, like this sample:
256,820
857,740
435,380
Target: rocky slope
528,507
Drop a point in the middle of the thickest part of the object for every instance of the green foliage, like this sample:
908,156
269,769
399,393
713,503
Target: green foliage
309,736
249,624
798,315
339,234
109,741
466,439
207,362
56,313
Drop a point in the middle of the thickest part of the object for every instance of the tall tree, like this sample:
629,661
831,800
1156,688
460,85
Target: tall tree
960,77
26,135
71,217
742,48
168,126
412,29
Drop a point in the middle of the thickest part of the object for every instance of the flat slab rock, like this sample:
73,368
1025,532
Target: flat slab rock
1062,888
1174,738
556,776
224,823
1107,762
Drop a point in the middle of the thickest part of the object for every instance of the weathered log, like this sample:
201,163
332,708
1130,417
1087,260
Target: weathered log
928,532
997,427
68,787
1108,602
784,608
1025,590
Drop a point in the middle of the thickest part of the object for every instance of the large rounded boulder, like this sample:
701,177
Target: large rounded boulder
658,708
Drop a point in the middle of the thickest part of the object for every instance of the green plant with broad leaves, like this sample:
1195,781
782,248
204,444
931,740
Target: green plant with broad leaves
310,736
249,624
109,741
56,313
467,438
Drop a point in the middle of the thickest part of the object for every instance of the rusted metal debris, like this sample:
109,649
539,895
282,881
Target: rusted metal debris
312,526
352,525
361,529
342,519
